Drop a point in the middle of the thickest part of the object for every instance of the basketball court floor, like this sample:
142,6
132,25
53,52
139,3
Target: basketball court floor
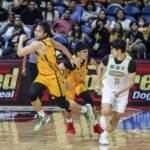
16,132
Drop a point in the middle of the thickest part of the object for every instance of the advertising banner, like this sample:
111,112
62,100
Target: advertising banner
14,87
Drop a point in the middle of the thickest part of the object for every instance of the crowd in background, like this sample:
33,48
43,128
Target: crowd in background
97,22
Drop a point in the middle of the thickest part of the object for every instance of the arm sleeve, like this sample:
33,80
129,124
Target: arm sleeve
105,60
68,65
132,66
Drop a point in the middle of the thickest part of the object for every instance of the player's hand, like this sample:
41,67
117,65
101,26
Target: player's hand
117,94
76,61
24,72
23,37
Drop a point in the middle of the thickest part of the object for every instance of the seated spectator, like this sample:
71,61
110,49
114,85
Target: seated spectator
50,14
16,29
143,27
64,25
100,45
75,36
90,13
135,42
120,17
31,13
146,2
102,16
117,32
7,24
18,6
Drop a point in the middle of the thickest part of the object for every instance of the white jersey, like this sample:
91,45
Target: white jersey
116,75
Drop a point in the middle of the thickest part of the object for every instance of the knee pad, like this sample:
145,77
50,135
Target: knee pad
87,98
62,102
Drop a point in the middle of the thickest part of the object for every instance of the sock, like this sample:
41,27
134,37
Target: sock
83,110
69,120
41,113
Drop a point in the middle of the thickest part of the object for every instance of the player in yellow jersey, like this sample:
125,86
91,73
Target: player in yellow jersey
49,75
75,83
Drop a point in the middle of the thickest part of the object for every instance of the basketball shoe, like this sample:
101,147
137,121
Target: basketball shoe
103,140
70,128
97,128
41,121
89,114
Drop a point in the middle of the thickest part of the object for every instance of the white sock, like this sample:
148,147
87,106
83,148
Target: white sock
41,113
69,120
84,109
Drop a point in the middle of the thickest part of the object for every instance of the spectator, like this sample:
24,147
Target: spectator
64,25
31,13
100,43
7,24
135,42
102,16
120,17
12,35
50,14
19,5
75,36
117,32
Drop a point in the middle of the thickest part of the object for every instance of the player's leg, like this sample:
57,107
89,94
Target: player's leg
88,100
34,93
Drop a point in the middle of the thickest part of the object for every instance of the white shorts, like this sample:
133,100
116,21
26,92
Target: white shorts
118,104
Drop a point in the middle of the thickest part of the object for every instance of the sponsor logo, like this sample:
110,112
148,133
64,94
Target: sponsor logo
8,83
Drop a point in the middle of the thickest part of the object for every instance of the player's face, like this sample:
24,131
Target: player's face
83,54
39,33
114,52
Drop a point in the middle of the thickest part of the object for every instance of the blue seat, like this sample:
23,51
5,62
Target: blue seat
131,18
58,2
131,10
61,39
146,18
86,29
60,10
112,9
110,18
146,10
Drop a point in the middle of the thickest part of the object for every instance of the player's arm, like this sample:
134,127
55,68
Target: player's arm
62,48
99,75
22,51
67,64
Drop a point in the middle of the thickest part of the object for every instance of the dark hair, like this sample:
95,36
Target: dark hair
80,46
119,44
45,26
132,23
121,31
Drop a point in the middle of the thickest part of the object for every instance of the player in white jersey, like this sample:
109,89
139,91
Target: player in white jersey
117,81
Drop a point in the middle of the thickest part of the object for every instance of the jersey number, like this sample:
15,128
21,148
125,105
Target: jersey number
117,81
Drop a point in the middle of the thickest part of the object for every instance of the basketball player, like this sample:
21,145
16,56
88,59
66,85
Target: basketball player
75,84
117,81
49,75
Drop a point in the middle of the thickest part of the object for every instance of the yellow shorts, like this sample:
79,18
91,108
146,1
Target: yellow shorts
72,92
55,83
